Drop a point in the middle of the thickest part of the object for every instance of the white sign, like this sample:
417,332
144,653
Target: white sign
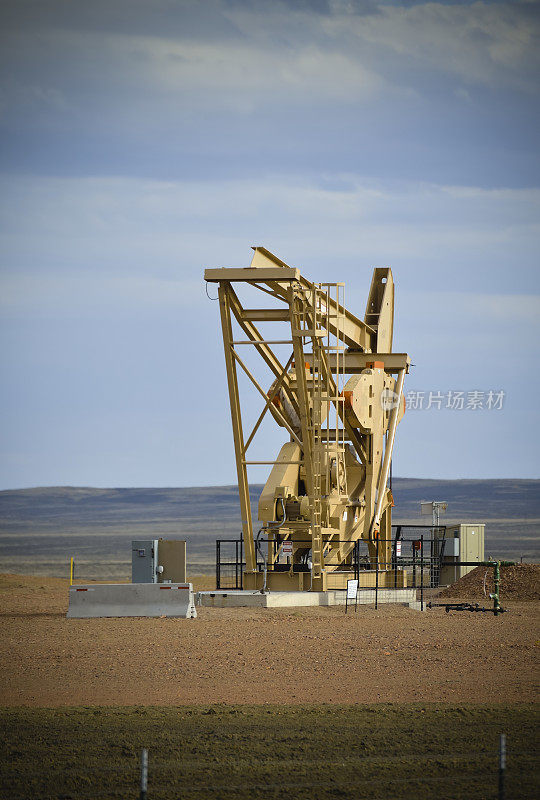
286,548
352,589
398,548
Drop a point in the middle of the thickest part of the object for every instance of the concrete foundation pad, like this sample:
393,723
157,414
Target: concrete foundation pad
229,598
131,600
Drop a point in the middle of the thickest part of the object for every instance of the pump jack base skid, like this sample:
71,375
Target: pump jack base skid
229,598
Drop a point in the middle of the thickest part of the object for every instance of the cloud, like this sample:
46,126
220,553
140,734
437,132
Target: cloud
251,54
434,91
238,75
107,241
144,141
87,293
482,43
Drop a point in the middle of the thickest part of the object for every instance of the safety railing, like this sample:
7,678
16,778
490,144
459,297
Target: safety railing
415,550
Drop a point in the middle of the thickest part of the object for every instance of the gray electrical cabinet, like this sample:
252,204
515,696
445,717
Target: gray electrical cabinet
144,561
158,561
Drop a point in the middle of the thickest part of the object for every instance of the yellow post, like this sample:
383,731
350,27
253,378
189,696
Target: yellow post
71,570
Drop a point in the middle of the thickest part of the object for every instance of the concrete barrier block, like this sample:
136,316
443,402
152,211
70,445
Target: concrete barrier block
131,600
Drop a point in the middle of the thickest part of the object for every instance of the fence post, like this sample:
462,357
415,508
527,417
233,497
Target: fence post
242,563
431,551
377,575
218,543
144,774
71,571
398,538
422,572
502,764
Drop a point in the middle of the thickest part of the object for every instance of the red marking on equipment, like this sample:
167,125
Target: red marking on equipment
81,590
348,398
165,587
276,401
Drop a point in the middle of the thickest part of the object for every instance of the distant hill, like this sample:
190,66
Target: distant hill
41,528
481,499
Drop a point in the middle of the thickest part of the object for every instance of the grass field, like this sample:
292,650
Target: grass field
241,752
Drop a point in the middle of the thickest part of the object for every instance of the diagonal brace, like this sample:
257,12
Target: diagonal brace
263,393
267,404
266,353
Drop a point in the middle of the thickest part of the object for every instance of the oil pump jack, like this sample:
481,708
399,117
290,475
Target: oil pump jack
339,396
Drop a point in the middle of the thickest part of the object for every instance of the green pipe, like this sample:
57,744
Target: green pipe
497,584
495,596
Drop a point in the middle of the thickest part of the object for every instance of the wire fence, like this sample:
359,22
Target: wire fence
482,774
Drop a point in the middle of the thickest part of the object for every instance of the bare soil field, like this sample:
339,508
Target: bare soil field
257,656
241,704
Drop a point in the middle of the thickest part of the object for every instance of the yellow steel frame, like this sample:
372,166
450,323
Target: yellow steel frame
341,344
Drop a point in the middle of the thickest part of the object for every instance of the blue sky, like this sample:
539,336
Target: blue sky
144,141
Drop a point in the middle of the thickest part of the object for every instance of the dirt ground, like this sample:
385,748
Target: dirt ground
251,656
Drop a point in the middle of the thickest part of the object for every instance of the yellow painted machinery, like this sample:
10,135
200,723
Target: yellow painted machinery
339,397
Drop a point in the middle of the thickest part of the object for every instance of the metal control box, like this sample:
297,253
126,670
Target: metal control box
462,542
158,561
451,545
172,561
144,561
